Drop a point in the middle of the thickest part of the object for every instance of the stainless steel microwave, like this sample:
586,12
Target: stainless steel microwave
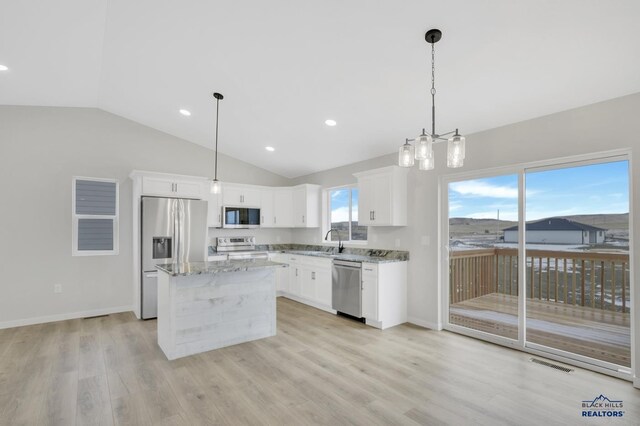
240,217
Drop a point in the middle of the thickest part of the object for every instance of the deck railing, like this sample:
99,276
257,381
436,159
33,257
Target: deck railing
596,280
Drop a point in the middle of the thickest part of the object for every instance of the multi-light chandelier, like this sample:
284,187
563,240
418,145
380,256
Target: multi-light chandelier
423,150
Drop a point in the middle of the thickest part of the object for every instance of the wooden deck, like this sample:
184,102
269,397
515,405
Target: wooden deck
596,333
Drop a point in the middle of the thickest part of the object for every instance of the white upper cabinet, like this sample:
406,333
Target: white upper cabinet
266,209
214,211
282,207
169,186
241,195
306,206
383,196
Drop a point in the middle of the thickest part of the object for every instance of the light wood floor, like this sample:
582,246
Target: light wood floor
319,369
596,333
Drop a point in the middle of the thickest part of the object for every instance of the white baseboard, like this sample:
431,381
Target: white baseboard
63,317
636,382
426,324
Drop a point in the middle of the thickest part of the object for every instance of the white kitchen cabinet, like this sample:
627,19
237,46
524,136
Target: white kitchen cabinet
370,291
241,195
323,285
266,208
169,186
384,294
383,196
282,274
214,211
282,207
308,289
309,281
306,206
295,277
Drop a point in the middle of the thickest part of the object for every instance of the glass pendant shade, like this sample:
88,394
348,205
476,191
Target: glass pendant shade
424,147
426,164
215,186
455,151
406,155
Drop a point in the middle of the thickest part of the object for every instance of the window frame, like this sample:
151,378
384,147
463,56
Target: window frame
75,218
326,215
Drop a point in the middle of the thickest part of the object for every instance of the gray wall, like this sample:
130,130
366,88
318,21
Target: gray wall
595,128
41,148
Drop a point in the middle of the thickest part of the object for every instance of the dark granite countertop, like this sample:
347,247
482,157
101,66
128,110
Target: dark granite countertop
346,256
331,252
199,268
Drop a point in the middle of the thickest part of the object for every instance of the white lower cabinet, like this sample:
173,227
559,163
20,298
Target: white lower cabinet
370,291
308,279
384,294
384,287
282,274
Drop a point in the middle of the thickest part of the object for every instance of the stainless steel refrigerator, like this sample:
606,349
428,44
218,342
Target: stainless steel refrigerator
174,230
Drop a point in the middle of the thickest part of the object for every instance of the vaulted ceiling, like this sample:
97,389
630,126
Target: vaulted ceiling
285,66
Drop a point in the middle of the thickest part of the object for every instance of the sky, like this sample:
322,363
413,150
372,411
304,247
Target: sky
340,205
592,189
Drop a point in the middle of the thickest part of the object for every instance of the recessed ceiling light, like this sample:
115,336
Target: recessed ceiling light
185,112
330,122
3,68
269,148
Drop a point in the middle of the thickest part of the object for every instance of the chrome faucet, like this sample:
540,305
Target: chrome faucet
340,245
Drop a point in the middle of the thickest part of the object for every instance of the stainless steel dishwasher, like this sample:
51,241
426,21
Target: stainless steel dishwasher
346,281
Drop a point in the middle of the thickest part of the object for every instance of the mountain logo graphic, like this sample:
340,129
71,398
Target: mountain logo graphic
599,401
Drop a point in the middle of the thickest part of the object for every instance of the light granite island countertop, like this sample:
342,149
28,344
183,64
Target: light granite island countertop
209,305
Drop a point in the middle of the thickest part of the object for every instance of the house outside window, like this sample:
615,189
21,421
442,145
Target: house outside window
342,214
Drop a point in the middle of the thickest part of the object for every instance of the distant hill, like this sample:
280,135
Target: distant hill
463,226
605,221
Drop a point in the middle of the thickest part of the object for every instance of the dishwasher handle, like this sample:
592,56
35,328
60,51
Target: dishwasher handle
347,264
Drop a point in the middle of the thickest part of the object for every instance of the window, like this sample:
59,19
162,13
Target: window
343,214
94,207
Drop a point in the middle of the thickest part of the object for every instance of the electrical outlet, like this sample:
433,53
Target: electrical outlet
57,288
425,240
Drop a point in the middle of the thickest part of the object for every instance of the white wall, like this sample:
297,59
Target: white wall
41,148
595,128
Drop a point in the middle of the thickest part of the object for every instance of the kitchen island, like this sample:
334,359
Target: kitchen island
210,305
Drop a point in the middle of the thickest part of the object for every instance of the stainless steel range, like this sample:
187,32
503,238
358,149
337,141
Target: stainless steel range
240,248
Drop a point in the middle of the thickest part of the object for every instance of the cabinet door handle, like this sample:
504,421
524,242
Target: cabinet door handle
296,272
219,218
262,219
302,218
368,269
370,214
275,220
313,275
374,215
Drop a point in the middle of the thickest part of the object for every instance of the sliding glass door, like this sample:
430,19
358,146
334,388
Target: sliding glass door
483,269
577,241
539,259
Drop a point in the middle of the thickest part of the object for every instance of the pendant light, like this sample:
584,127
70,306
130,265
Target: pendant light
215,185
406,155
423,150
